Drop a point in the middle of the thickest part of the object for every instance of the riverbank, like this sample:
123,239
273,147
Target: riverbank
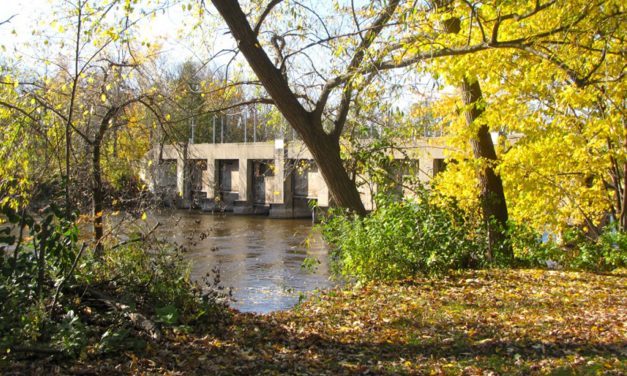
473,323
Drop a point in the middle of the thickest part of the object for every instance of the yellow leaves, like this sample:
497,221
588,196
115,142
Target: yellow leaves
449,184
498,314
340,49
103,98
565,135
559,163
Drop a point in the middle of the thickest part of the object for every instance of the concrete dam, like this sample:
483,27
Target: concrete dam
277,178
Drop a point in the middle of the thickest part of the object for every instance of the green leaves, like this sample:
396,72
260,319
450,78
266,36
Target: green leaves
117,340
70,335
168,314
403,238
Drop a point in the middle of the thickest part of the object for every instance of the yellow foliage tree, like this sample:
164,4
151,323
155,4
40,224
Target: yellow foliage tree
552,76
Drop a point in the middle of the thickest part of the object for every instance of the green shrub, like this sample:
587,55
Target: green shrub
153,277
30,271
404,238
575,251
119,339
408,237
51,302
69,334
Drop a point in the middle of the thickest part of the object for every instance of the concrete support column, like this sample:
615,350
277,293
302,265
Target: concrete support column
364,192
288,186
180,176
425,170
245,179
278,193
323,194
209,179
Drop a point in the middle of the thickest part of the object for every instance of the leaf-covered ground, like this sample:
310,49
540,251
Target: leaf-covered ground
475,323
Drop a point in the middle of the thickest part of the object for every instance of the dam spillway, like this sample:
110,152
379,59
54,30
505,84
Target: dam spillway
278,178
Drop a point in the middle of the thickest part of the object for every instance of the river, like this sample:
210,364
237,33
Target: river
261,259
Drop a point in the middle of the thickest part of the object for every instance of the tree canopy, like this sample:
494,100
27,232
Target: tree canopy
551,72
548,78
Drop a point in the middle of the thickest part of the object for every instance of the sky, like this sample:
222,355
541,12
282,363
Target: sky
24,13
29,15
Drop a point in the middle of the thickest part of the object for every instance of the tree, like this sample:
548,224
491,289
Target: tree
578,42
546,69
28,151
323,143
491,193
190,107
86,95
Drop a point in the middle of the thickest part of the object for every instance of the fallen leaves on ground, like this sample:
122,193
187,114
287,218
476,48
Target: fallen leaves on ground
495,322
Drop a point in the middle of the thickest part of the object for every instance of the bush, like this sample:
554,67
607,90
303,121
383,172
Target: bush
575,251
58,297
404,238
154,278
31,269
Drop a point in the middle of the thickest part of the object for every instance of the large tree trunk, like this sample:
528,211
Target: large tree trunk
324,148
492,196
326,152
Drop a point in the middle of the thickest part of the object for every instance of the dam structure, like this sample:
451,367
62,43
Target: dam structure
277,178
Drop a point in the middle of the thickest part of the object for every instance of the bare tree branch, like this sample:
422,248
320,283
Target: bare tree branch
268,74
8,20
265,13
356,61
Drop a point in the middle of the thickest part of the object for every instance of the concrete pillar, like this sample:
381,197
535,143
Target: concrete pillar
180,176
245,179
364,192
279,172
425,170
209,179
288,186
323,194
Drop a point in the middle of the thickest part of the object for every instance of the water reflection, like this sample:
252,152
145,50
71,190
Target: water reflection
260,258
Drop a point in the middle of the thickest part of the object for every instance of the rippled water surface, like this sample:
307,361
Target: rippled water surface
260,258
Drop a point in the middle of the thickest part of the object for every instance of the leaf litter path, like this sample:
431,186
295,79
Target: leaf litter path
494,322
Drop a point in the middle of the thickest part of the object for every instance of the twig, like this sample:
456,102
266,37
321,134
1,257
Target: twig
68,275
137,239
35,350
8,20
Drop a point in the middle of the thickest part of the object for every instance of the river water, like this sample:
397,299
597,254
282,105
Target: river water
261,259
